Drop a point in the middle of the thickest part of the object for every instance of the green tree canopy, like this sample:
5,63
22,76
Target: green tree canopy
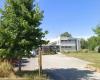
84,44
92,42
97,30
66,34
19,28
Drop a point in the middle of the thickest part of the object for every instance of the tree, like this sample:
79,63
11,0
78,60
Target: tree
19,29
84,44
97,30
92,42
66,34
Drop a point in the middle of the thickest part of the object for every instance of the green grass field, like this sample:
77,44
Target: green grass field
91,57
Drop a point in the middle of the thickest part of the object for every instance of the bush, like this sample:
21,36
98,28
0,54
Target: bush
65,52
84,51
6,69
99,50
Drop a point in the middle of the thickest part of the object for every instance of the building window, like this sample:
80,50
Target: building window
62,46
66,46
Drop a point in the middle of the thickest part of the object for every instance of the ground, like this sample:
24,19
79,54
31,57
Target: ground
60,67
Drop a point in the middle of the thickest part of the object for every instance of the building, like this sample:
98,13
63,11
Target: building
67,44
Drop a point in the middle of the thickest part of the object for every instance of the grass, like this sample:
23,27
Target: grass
26,75
31,75
7,73
91,57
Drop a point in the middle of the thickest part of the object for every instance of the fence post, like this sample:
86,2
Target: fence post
40,61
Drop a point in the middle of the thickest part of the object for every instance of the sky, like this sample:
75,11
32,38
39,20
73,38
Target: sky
77,17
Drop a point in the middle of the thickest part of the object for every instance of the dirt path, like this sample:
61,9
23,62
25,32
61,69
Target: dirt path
60,67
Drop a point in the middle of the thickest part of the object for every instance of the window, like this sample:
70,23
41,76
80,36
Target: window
62,46
66,46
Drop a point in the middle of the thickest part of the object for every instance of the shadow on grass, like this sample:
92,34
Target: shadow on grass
32,75
27,73
68,74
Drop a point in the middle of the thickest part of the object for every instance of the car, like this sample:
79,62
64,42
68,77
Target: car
33,53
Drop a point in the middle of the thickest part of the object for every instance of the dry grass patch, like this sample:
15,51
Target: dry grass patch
91,57
7,73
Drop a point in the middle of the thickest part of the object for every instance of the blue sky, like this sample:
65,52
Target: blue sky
77,17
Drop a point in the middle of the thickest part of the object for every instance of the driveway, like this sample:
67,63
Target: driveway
60,67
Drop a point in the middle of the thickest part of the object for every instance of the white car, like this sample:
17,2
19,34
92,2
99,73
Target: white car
33,53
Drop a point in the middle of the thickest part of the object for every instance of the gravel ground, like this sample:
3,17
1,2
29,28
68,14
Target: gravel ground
60,67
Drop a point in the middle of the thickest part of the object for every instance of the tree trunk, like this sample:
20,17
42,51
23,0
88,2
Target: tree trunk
19,65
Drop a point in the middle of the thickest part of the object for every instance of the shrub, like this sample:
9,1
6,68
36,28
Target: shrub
6,69
84,51
65,52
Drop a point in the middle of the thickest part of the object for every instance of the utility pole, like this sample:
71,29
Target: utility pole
40,61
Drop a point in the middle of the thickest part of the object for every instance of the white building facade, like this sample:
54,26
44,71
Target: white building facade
68,44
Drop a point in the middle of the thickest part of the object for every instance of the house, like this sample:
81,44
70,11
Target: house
66,44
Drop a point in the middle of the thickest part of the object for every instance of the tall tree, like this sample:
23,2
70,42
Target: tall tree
97,30
66,34
92,42
84,44
19,28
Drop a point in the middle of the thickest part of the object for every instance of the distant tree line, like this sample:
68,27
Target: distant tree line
92,42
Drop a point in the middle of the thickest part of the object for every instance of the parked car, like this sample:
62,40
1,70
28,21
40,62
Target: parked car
33,53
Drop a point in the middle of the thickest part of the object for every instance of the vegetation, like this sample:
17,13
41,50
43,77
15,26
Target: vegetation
66,34
92,57
6,69
31,75
19,29
19,34
84,44
93,41
97,30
